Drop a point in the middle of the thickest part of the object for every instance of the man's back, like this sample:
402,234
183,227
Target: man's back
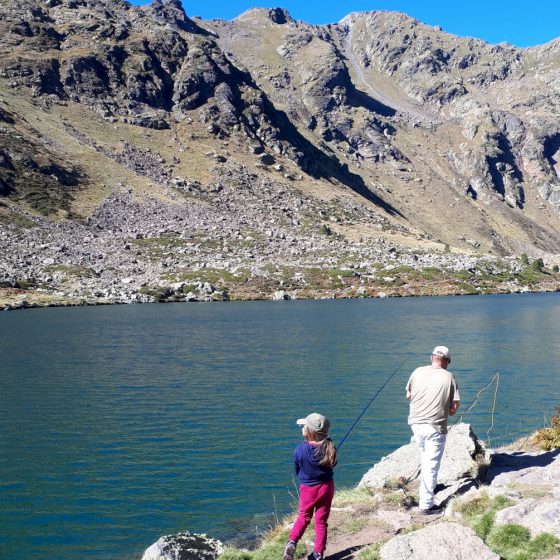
432,390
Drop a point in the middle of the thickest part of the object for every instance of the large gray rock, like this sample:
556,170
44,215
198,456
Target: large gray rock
533,469
459,460
442,540
184,546
539,516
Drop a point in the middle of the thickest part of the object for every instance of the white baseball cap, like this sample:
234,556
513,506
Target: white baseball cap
442,351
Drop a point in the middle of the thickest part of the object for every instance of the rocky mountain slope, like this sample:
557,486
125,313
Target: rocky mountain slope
145,154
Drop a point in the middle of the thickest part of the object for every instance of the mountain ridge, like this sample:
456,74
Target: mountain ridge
433,141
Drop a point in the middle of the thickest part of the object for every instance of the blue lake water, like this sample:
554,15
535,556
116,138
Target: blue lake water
121,424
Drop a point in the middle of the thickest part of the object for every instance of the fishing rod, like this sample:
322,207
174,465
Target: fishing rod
370,403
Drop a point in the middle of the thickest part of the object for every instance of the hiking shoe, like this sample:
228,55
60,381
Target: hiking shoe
289,551
433,510
315,556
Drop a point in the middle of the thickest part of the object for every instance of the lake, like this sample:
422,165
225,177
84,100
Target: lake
121,424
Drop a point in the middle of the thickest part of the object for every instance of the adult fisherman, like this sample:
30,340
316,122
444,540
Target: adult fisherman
433,395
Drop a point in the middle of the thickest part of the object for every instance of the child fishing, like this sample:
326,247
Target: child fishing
314,460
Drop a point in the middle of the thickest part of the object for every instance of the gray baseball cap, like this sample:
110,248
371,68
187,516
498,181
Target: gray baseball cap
316,423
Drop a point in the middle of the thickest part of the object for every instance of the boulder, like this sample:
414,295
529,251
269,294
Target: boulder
443,540
530,468
280,295
184,546
539,516
459,460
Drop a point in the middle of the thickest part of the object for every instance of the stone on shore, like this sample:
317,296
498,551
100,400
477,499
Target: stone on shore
459,461
184,546
280,295
442,540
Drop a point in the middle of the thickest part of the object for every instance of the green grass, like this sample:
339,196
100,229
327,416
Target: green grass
431,273
467,289
514,542
479,513
216,276
346,496
370,552
511,542
531,276
355,525
232,553
270,548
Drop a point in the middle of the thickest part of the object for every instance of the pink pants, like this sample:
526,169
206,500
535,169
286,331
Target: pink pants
316,499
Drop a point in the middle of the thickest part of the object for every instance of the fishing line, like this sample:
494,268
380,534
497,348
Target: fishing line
370,403
473,403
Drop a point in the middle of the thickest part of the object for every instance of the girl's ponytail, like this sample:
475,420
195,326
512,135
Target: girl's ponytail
327,453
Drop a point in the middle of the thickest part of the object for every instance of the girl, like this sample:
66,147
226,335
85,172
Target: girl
314,460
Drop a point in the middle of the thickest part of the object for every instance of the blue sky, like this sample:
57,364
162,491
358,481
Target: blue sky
518,22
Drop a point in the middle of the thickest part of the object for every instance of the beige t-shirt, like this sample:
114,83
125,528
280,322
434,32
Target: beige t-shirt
432,392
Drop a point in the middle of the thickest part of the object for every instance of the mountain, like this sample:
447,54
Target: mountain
145,154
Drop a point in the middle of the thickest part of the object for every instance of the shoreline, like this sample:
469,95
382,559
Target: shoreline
484,493
29,299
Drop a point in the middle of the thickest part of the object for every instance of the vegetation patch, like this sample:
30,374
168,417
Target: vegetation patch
215,276
479,513
549,438
270,548
350,496
370,552
71,270
160,294
514,542
8,217
510,541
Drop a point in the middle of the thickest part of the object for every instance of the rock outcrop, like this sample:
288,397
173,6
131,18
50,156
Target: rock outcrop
184,546
443,540
462,457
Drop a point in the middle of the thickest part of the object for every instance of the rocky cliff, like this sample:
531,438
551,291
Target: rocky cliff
145,154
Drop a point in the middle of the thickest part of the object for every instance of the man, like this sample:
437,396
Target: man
433,395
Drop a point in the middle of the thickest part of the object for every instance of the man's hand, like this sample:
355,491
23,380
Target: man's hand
453,407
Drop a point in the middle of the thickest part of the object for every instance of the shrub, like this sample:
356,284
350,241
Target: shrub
524,259
555,268
549,438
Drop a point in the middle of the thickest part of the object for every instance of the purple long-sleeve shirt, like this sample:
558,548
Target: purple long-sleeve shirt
308,471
